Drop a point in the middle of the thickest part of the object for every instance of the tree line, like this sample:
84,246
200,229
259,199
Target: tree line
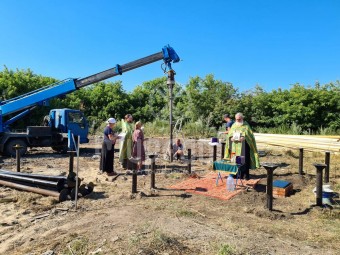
200,102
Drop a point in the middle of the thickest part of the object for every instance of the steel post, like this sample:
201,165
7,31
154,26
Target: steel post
71,163
270,169
153,171
319,167
327,162
222,150
301,161
134,181
17,154
171,82
214,153
189,161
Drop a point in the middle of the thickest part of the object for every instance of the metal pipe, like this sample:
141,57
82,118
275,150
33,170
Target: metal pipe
134,181
59,185
71,163
327,162
36,176
270,169
301,161
319,167
77,182
215,153
31,189
222,150
171,82
17,148
189,161
71,177
26,179
153,169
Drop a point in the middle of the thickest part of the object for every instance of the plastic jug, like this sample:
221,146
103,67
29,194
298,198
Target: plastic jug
230,183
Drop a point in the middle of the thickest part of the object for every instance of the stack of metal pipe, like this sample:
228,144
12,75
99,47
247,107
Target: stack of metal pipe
62,187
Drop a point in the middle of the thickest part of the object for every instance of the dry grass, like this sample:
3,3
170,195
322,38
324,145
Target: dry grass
111,221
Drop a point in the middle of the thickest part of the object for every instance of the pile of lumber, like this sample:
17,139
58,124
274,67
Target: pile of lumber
307,142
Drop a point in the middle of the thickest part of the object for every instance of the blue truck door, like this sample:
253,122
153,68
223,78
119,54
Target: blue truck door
77,124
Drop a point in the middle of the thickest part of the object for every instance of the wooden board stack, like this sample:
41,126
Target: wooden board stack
308,142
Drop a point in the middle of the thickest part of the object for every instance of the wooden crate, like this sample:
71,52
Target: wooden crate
282,192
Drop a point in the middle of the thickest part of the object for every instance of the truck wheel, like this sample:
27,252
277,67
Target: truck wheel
10,151
62,148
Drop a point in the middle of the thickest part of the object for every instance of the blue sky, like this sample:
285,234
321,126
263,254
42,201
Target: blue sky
246,42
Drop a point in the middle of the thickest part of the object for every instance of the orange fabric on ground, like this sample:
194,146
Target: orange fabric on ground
206,186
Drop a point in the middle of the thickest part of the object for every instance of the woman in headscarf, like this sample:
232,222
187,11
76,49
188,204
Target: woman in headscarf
138,151
107,153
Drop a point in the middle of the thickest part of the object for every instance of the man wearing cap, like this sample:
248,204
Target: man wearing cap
107,153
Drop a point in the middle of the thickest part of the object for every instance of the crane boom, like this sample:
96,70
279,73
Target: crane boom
41,96
118,70
168,55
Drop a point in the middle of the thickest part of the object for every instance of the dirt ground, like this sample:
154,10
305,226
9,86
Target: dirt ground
112,220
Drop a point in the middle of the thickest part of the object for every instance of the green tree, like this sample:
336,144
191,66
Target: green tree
100,101
150,100
207,99
19,82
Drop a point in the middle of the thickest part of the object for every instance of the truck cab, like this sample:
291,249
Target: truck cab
53,134
63,120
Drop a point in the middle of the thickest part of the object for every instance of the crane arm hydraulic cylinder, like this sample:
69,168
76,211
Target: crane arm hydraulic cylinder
168,55
119,69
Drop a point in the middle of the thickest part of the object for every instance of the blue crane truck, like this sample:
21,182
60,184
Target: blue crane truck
54,132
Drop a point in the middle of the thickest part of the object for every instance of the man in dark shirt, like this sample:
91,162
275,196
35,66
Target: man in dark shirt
229,123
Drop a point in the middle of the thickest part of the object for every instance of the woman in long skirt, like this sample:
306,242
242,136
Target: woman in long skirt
138,151
107,153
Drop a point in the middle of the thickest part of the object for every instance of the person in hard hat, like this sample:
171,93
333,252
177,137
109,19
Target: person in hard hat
126,144
107,153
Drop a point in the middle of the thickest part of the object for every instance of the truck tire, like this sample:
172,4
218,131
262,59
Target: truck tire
10,151
62,148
